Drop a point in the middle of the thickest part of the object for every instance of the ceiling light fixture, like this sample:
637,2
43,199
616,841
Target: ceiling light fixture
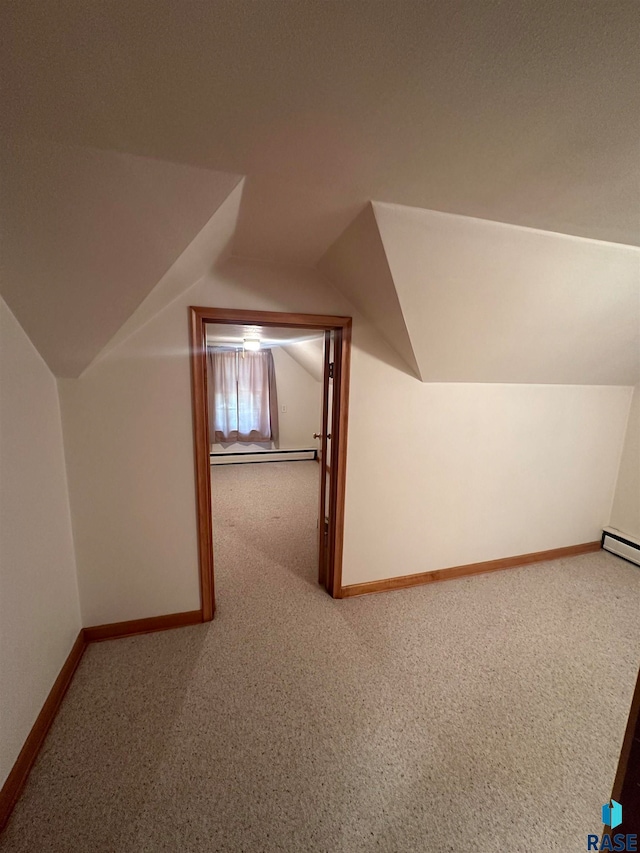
252,344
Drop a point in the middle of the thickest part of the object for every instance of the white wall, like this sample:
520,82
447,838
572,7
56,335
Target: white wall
301,394
625,515
476,472
39,610
438,475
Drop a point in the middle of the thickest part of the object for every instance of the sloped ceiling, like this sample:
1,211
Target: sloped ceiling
209,248
524,112
310,355
357,265
306,348
280,336
487,302
129,124
470,300
86,234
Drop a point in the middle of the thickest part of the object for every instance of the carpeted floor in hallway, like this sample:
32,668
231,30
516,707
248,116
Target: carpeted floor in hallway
479,715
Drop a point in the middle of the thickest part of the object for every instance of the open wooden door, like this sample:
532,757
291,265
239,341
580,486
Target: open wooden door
325,466
332,444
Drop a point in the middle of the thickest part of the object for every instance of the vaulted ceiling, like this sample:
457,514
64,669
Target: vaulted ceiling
128,125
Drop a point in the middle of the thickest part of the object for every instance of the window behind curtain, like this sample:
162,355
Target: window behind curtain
243,404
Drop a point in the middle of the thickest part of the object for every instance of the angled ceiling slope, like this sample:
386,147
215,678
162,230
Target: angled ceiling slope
209,248
357,265
309,355
487,302
305,347
525,112
87,234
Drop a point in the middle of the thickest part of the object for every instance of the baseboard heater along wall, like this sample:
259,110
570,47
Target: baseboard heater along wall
621,544
240,457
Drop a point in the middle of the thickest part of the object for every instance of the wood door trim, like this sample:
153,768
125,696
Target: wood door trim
201,451
339,452
407,581
270,318
199,317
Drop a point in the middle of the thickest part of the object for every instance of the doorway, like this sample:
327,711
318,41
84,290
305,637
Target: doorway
248,327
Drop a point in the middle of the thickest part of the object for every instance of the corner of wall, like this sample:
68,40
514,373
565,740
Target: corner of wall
625,501
60,385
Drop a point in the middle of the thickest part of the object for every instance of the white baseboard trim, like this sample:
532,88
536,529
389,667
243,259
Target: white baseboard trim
242,457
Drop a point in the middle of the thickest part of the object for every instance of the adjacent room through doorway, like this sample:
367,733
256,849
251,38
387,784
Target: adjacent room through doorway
264,408
242,416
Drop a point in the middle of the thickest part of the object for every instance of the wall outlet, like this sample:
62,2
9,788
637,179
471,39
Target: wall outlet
283,409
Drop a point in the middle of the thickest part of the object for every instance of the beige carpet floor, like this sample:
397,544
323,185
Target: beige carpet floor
478,715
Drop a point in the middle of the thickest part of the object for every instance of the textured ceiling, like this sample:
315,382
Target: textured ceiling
525,112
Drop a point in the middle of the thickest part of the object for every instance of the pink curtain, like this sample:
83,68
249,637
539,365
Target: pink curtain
243,400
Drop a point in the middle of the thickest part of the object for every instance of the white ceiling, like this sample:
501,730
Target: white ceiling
87,234
310,355
526,112
486,302
357,265
127,126
229,333
470,300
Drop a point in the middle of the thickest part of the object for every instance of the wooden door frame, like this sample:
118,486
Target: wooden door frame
199,317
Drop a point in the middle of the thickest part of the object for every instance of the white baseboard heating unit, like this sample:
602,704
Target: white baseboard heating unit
621,544
243,456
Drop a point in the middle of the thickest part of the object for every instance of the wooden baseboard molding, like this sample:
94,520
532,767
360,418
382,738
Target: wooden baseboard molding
15,781
406,581
29,752
116,630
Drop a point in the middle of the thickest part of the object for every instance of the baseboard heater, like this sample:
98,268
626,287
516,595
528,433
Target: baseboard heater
242,457
622,545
